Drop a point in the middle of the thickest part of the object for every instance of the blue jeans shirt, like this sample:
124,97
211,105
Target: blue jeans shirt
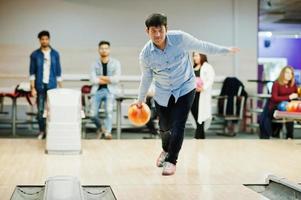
171,68
36,69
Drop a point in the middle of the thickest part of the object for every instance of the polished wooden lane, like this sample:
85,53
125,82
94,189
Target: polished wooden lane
207,169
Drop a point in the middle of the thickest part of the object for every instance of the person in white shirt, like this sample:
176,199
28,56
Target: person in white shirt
201,107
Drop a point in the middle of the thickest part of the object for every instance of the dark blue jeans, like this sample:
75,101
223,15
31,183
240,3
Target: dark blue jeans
41,100
172,120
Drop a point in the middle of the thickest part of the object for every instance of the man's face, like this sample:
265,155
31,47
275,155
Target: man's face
104,50
44,41
157,34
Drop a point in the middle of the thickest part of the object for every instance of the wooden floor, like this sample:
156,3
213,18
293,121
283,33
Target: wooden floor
208,169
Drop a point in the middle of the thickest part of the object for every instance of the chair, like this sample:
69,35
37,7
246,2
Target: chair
233,118
86,89
231,104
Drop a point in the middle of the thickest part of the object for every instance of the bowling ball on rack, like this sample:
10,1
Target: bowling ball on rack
299,107
139,116
292,106
282,106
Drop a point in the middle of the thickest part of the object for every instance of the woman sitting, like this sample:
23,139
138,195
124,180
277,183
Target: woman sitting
284,89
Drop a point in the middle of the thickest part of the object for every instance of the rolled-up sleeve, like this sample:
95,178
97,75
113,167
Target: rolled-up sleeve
146,79
59,69
191,43
59,78
32,77
32,69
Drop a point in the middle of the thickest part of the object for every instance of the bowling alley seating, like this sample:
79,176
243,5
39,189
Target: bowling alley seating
282,133
231,120
85,90
266,126
231,105
289,107
21,91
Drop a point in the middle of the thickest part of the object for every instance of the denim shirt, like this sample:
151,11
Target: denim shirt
113,72
171,68
37,66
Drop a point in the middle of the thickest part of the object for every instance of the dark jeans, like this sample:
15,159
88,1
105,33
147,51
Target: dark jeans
150,124
41,100
277,127
199,132
172,120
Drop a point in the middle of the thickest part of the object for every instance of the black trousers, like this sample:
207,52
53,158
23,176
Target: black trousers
276,127
172,120
150,124
199,132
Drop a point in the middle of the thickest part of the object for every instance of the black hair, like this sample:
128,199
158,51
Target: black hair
43,33
156,19
104,42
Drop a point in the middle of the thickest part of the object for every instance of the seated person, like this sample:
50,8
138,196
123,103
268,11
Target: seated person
284,89
105,76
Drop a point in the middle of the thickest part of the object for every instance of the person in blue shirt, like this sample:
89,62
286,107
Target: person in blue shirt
45,73
105,75
165,59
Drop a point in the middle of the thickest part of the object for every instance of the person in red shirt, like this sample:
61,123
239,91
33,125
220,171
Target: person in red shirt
284,89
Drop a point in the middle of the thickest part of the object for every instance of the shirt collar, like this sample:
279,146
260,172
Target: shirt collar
99,62
50,49
42,53
153,46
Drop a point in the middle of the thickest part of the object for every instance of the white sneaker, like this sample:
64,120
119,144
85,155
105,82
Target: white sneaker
108,136
161,159
168,169
41,135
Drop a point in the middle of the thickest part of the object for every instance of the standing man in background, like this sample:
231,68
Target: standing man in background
45,73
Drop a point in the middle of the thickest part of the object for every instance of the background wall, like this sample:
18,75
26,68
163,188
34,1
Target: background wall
288,48
76,27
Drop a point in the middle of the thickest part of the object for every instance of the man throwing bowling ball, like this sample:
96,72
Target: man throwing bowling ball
165,58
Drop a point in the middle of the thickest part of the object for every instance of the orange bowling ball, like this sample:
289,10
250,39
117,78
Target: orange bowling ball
139,116
299,107
292,106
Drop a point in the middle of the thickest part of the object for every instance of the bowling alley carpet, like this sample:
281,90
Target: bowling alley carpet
207,169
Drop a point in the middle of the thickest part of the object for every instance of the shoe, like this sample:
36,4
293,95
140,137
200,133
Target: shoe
108,136
99,133
236,128
41,136
168,169
161,159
